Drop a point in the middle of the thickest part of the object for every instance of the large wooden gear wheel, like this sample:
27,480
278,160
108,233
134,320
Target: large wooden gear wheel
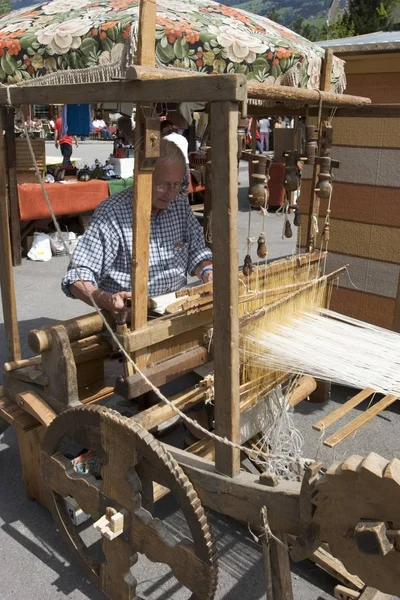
132,460
358,512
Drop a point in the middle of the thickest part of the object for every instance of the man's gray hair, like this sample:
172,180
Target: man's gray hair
170,153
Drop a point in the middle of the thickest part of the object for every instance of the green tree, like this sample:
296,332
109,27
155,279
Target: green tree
5,6
273,15
363,16
297,25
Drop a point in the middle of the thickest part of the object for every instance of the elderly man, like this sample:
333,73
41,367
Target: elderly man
177,248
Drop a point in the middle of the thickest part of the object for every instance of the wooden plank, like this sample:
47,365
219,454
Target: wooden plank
242,497
184,89
334,567
373,594
12,187
359,421
165,328
33,404
11,332
168,370
16,416
280,567
224,124
337,414
29,443
326,74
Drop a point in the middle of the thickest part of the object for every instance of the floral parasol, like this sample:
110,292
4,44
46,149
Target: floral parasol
200,35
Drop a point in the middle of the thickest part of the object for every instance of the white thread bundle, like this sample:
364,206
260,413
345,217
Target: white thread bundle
331,347
281,438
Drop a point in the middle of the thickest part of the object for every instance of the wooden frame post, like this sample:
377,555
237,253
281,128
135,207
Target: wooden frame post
325,86
141,210
12,187
11,332
224,124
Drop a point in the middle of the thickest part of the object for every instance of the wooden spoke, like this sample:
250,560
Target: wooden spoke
132,460
152,538
60,477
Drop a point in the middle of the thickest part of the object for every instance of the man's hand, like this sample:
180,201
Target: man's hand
56,144
117,302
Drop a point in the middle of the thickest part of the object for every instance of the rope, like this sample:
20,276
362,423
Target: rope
255,453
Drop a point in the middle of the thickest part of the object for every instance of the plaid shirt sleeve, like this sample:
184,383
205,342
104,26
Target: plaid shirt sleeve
95,253
198,251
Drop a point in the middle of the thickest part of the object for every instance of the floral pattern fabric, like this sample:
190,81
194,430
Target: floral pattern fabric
200,35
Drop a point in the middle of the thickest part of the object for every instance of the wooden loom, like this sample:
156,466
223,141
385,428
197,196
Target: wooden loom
45,397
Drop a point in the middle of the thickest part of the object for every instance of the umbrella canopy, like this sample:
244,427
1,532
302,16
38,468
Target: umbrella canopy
200,35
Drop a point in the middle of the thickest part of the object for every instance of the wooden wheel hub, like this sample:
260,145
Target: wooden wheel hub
132,461
358,512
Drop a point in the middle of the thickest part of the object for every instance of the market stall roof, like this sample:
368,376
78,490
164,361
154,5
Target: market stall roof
382,41
89,41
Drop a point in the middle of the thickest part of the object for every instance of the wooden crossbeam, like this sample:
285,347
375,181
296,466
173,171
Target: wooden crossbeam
359,421
184,89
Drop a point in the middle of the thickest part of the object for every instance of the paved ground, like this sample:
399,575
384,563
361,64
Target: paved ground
36,565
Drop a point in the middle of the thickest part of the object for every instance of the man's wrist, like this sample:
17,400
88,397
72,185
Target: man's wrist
205,270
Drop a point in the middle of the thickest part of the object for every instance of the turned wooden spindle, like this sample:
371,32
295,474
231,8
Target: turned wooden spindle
324,185
258,194
311,143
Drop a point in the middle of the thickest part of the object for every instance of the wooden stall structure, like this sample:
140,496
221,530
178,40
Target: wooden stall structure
46,397
365,216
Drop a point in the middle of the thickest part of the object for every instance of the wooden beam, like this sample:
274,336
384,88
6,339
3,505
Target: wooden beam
77,328
141,73
165,328
11,332
143,181
243,497
184,89
326,75
12,187
224,124
168,370
146,51
359,421
286,94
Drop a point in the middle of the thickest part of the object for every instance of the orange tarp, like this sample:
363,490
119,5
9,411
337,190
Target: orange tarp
66,198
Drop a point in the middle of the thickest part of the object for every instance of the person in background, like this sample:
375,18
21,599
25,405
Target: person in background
37,126
265,128
278,123
64,142
101,127
177,247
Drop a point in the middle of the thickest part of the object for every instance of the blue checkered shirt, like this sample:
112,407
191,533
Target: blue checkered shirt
104,253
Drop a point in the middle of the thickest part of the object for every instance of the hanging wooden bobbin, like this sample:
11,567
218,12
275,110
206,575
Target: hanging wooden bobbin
247,266
288,229
262,250
324,186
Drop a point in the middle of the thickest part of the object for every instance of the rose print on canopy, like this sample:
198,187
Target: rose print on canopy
200,35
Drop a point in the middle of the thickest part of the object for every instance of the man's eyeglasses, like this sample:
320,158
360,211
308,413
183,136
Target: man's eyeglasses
166,186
